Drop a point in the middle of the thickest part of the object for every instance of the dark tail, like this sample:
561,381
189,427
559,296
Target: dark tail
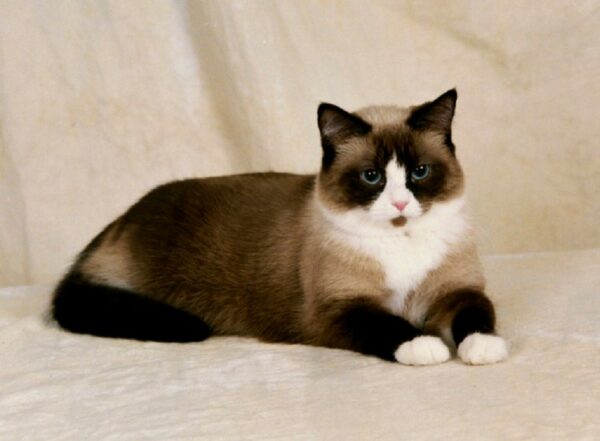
88,308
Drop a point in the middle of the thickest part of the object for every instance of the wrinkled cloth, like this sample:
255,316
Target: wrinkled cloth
60,386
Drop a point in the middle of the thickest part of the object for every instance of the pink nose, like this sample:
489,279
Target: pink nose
400,205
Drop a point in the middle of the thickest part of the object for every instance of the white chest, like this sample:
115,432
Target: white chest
405,259
409,253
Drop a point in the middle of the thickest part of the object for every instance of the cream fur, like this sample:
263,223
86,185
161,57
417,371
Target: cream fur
110,264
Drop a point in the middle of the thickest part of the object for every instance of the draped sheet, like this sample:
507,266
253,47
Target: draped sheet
100,101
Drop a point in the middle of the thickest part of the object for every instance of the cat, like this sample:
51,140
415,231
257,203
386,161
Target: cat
373,254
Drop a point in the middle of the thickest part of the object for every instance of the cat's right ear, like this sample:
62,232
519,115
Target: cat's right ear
337,126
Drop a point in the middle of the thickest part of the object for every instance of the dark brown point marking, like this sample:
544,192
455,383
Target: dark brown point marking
400,221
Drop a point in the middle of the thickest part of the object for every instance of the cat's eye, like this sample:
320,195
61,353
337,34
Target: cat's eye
420,172
371,176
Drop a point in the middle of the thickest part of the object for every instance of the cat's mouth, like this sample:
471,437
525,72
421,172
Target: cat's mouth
399,221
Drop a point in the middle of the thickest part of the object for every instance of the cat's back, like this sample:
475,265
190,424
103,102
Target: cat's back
245,195
217,218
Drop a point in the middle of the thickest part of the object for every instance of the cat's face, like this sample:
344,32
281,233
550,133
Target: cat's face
389,165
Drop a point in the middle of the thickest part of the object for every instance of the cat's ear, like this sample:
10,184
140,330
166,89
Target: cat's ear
337,126
435,115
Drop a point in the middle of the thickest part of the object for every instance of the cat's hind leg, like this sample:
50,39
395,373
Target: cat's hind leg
86,307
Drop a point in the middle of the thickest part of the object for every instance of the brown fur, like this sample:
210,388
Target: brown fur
251,254
231,251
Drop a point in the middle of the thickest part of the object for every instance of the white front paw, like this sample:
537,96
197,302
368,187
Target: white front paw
423,350
482,349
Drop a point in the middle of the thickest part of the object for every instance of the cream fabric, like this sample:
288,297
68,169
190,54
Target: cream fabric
100,101
59,386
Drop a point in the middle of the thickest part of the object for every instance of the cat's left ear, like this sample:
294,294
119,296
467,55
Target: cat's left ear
436,116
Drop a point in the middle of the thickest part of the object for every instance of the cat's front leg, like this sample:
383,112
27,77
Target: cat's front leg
470,317
361,325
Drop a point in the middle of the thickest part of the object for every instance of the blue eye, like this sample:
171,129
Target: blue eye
371,177
420,173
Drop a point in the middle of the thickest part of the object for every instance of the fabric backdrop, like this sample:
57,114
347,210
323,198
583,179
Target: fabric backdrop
100,101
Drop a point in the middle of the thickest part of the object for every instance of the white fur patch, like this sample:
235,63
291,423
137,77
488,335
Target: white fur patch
482,349
423,350
395,191
406,253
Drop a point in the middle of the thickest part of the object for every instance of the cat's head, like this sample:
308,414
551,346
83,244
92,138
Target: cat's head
388,165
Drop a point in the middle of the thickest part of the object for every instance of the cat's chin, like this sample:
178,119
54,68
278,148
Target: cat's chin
399,221
384,224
